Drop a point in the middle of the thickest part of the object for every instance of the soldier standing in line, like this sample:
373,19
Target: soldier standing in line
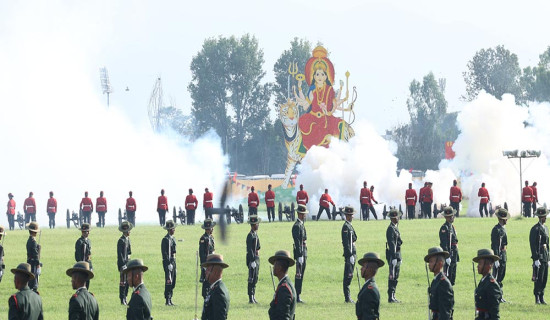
270,203
83,304
253,256
499,241
449,242
488,293
2,265
371,200
162,207
483,194
428,200
410,200
535,196
253,202
421,194
29,208
527,199
207,203
87,207
206,248
538,240
140,304
299,236
364,200
368,299
131,208
301,196
123,250
324,204
101,209
168,251
11,211
216,303
83,248
25,304
455,196
51,210
393,253
33,254
441,291
191,205
348,242
283,305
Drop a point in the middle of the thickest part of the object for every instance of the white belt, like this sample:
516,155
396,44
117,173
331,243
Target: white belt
253,202
270,199
190,204
325,201
131,207
12,207
484,197
30,206
410,198
209,201
364,197
455,196
527,196
51,207
304,199
101,205
86,206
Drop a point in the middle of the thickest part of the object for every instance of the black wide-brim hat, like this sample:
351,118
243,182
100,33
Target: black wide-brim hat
436,251
448,212
23,268
349,210
135,264
486,254
371,257
81,266
394,213
85,227
502,214
541,212
254,219
215,259
282,255
125,226
169,225
302,209
208,224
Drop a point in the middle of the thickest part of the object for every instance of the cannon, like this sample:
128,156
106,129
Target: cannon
179,216
288,211
20,220
237,214
121,216
340,212
75,218
437,211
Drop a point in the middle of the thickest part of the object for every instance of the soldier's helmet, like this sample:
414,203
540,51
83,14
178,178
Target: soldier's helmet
394,213
81,266
208,224
349,210
541,212
125,226
85,227
448,212
169,225
33,226
502,214
485,254
302,209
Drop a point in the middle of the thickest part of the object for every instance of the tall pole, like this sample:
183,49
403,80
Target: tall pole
520,187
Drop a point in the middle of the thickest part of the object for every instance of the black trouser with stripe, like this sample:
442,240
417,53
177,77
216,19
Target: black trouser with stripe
348,276
300,270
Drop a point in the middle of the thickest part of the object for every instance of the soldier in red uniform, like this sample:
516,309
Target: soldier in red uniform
421,193
371,200
29,207
455,197
428,199
484,199
51,209
270,203
191,205
324,204
253,202
527,199
207,203
87,207
10,212
131,208
301,196
162,207
410,200
535,196
101,209
364,200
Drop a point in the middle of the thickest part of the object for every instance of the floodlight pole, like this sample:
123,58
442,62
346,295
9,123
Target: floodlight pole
520,155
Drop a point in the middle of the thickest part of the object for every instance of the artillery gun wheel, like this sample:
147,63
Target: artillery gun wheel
119,216
292,212
68,219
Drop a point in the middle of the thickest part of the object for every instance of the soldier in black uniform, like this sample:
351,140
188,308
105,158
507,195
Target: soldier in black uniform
33,255
499,241
2,265
348,241
168,250
368,299
83,248
393,253
441,291
83,304
283,304
488,293
216,303
123,250
25,304
139,307
538,239
448,241
206,247
299,236
253,256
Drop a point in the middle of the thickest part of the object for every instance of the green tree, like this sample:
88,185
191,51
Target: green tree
298,54
496,71
228,94
536,80
172,117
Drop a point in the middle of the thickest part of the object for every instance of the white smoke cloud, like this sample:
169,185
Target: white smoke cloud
57,134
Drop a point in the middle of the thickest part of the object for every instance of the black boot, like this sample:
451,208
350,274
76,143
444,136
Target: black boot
537,299
349,300
541,298
299,300
123,302
167,302
254,298
250,298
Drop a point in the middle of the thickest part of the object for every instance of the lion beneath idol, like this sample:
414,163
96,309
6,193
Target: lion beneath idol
317,124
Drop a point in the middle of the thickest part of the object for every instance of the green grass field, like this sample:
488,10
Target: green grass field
323,278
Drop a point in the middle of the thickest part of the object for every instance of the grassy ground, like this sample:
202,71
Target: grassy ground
323,278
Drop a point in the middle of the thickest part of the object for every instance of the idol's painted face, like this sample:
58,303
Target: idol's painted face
320,76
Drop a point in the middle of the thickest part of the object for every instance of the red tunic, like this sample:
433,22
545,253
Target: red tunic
101,204
365,196
428,195
131,204
302,197
527,194
270,199
484,195
191,202
325,200
11,207
253,200
162,203
207,200
410,197
455,194
52,205
535,195
421,194
86,204
30,205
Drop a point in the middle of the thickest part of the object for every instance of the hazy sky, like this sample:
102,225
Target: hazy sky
384,44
